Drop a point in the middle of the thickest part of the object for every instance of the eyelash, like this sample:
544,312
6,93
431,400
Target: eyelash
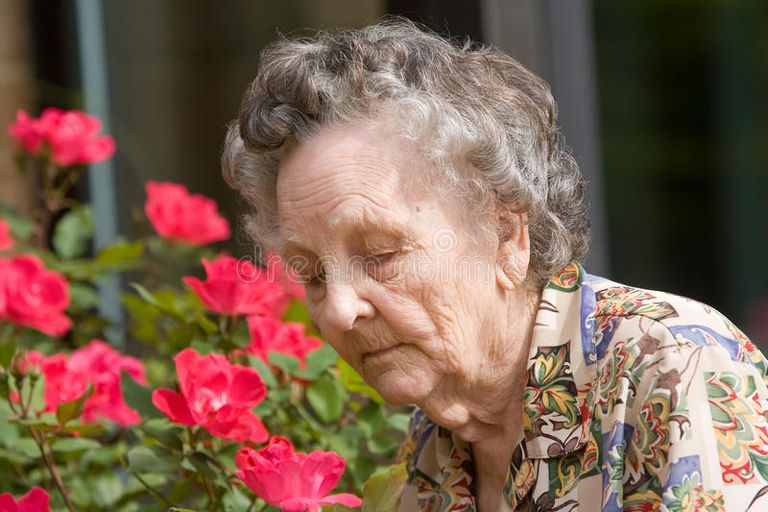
381,258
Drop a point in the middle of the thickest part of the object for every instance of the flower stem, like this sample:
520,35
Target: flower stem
152,489
42,444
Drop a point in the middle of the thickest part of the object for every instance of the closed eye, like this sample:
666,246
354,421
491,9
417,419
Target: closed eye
384,256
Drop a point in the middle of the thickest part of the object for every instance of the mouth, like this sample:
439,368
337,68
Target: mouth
375,354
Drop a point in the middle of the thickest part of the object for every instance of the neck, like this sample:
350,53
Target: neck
488,403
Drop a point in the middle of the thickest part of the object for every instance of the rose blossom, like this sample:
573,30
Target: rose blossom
6,242
216,395
270,334
36,500
32,296
73,136
237,287
293,481
178,215
66,379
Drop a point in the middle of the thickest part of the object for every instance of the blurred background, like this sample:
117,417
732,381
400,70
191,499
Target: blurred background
664,104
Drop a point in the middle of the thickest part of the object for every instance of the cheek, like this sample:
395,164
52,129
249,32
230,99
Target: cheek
402,311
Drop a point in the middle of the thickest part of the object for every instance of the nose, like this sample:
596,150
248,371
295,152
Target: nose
343,305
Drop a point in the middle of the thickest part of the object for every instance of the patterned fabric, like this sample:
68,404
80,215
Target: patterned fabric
636,400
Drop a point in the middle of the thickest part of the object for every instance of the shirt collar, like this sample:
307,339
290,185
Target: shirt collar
560,366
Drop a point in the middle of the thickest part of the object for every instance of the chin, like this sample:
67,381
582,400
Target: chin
400,386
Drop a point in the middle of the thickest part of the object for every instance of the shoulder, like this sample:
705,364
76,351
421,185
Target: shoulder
679,397
622,312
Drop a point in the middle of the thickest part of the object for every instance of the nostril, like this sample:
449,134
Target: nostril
343,306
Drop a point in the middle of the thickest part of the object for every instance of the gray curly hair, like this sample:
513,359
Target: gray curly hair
477,106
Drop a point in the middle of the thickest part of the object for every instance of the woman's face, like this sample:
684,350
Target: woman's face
395,288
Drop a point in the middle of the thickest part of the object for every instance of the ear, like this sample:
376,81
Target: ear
514,251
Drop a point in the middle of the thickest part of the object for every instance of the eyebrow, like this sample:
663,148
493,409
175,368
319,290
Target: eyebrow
357,223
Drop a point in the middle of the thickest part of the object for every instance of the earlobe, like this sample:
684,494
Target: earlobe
513,255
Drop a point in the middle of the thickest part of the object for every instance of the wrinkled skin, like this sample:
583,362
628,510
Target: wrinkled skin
454,345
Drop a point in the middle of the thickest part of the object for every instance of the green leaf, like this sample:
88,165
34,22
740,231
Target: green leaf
9,433
84,430
38,393
382,492
205,465
139,397
235,500
267,376
122,254
67,411
337,507
318,361
105,489
152,459
146,294
46,422
202,347
326,396
399,421
288,364
7,350
370,418
361,468
166,434
205,324
75,444
382,445
27,446
82,295
21,227
72,232
353,382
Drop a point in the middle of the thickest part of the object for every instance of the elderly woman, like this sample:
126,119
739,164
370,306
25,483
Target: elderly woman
423,192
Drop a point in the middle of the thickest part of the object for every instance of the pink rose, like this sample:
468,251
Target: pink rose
35,500
25,131
66,379
32,296
178,215
293,481
270,334
73,136
237,287
6,242
216,395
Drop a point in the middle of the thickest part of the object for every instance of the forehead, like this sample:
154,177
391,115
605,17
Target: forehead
339,227
344,180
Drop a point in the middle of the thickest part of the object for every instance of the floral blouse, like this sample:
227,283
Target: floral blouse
636,400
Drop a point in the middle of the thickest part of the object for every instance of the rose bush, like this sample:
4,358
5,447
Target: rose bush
219,355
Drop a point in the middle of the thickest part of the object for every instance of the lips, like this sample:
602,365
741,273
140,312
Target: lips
380,352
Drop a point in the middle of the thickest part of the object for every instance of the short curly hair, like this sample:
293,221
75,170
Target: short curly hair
476,105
